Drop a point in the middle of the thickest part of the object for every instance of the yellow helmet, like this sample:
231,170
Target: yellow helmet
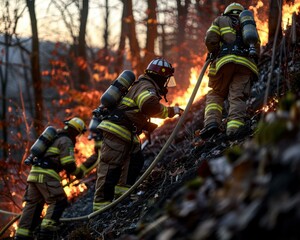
77,124
233,9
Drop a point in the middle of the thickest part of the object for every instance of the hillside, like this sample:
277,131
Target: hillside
217,189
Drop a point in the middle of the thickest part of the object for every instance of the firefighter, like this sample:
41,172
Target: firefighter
44,184
230,74
127,121
136,159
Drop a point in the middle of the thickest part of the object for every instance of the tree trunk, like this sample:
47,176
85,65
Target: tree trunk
151,33
4,78
83,73
106,31
182,54
181,20
273,19
128,30
133,42
121,48
35,69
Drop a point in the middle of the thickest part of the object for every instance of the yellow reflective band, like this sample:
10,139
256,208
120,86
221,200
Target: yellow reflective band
24,232
54,150
213,106
118,130
48,222
36,178
163,114
121,189
32,178
49,172
142,98
215,29
234,124
100,205
83,168
98,144
128,102
225,30
233,58
67,159
41,178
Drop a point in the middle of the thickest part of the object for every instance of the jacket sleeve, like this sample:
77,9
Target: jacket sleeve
67,159
148,103
213,37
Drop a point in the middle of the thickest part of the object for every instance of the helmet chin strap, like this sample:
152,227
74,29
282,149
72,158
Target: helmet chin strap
163,92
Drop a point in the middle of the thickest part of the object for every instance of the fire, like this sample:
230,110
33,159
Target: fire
183,99
84,148
74,188
262,24
14,227
287,12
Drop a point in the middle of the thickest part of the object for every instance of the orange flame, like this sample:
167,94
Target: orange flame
85,148
262,25
73,189
182,100
287,13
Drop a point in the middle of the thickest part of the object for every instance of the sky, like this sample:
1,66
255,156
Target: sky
51,27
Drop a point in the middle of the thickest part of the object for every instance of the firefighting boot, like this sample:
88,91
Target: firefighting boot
48,230
23,238
45,234
239,133
209,130
100,205
120,190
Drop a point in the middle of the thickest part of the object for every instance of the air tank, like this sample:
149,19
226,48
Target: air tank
41,144
117,89
249,31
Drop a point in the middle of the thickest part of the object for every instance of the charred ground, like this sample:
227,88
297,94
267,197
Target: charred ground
218,189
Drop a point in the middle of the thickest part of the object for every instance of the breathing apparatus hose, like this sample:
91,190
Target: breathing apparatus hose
150,168
158,157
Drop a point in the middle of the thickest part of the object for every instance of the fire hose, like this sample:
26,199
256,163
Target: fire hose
150,168
155,161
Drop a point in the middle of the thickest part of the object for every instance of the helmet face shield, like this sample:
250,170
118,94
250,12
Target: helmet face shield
171,82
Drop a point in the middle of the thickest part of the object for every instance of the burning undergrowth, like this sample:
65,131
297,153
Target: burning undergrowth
218,189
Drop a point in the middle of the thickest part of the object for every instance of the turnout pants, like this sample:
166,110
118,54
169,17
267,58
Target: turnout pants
232,81
36,195
112,169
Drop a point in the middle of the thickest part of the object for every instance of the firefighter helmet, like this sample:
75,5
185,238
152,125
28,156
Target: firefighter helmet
161,67
164,70
233,9
77,124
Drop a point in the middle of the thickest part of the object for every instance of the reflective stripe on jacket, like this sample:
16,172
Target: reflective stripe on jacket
61,155
139,104
220,32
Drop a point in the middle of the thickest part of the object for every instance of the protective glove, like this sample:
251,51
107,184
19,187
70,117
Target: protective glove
213,54
175,110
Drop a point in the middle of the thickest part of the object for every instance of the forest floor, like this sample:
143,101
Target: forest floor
216,189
